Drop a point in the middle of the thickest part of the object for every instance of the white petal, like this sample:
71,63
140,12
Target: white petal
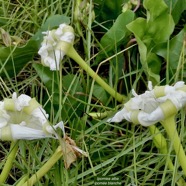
40,114
4,117
21,101
179,84
68,37
147,119
119,116
51,129
150,87
22,132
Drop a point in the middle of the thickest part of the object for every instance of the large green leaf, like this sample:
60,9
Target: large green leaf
176,7
155,9
116,34
151,32
107,10
13,59
174,50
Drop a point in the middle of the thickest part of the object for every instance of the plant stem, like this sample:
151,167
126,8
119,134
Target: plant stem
45,168
170,127
8,164
76,57
160,143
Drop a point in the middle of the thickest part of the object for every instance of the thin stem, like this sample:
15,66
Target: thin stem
170,127
45,168
9,162
75,56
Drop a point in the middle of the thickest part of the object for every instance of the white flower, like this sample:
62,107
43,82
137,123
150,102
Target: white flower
23,118
154,105
55,45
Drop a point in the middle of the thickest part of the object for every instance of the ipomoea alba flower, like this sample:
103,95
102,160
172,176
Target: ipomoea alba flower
55,45
154,105
24,118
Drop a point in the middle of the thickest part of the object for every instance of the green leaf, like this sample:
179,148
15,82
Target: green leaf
107,10
150,32
116,34
100,94
174,50
71,87
155,9
68,80
48,77
12,60
177,7
157,29
154,63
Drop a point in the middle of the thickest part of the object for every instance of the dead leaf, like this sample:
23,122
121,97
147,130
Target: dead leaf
70,151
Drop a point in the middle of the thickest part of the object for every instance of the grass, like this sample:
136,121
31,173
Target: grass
123,149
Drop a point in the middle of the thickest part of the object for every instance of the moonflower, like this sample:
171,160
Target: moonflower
23,117
55,45
154,105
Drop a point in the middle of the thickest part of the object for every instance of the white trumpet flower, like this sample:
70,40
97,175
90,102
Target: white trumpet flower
24,118
154,105
55,45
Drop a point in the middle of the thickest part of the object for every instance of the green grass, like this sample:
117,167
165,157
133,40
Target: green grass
120,149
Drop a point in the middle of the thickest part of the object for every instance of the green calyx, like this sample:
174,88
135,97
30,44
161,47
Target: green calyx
168,109
33,104
6,134
9,104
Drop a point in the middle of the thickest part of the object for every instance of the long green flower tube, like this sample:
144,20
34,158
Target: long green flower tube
170,126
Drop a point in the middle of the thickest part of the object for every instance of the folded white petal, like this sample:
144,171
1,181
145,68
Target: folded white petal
26,133
147,119
121,115
40,114
21,101
52,129
55,46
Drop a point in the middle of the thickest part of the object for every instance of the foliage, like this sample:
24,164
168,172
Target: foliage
127,49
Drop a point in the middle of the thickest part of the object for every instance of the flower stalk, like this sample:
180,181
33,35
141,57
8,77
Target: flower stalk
170,127
9,162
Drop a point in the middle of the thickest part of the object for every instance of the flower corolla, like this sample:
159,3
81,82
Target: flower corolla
55,45
23,117
154,105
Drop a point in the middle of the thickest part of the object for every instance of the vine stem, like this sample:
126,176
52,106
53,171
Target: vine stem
9,162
